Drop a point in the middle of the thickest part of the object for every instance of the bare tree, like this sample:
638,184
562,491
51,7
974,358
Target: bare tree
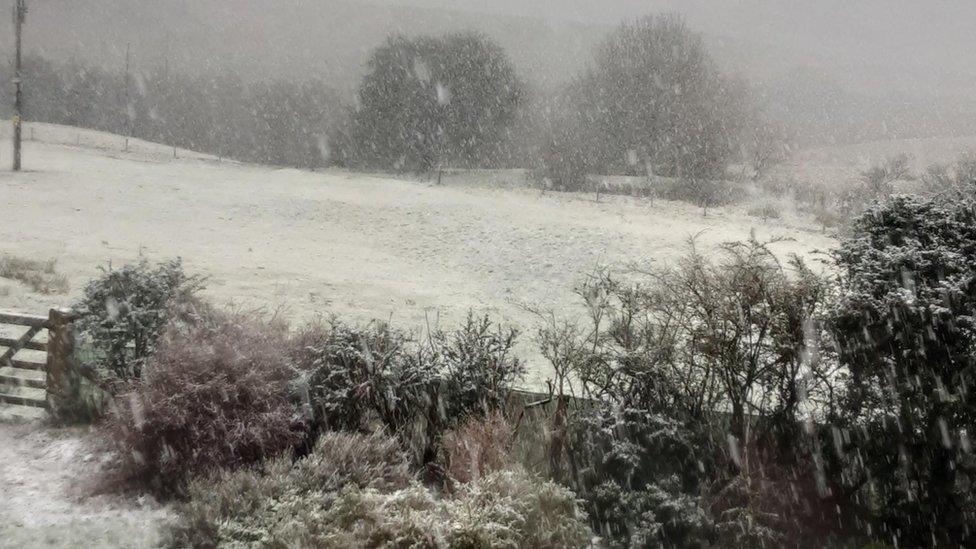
879,178
766,148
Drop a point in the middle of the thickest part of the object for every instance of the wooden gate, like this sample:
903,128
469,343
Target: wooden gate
23,360
30,353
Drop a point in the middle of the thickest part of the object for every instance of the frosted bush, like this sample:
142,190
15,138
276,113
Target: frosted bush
215,396
279,507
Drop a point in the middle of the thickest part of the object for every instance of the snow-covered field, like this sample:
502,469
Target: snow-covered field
317,243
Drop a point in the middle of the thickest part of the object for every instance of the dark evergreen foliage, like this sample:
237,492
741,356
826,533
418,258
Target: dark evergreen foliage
355,378
905,330
125,311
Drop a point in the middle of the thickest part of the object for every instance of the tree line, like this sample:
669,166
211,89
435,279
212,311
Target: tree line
280,122
653,103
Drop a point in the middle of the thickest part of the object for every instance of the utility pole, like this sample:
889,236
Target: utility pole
20,11
125,106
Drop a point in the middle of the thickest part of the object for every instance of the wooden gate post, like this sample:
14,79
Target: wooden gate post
63,379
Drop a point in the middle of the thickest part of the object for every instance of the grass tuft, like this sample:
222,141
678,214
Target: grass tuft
765,211
40,276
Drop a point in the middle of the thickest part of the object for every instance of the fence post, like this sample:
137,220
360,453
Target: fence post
63,380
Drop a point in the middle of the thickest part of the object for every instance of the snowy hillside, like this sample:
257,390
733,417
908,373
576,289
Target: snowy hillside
356,245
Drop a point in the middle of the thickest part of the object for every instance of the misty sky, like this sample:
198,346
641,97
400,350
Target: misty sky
940,34
910,44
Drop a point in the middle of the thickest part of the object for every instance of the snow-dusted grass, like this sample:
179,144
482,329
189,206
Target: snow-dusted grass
40,276
357,245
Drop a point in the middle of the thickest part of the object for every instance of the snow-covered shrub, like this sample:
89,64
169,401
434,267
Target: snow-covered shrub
124,312
749,514
703,372
214,394
272,508
705,193
701,340
505,509
479,367
411,517
517,509
357,375
284,501
356,378
905,330
652,515
374,461
641,480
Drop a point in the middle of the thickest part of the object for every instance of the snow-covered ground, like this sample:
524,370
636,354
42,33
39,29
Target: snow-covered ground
316,243
46,477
